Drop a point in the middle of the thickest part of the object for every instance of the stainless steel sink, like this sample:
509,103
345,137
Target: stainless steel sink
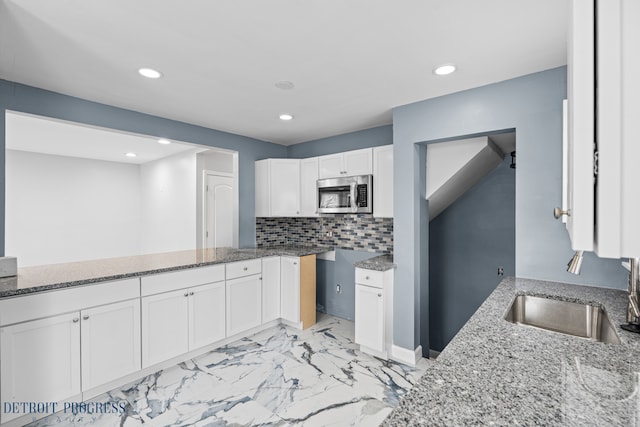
580,320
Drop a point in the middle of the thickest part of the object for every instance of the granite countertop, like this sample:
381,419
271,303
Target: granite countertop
379,263
55,276
497,373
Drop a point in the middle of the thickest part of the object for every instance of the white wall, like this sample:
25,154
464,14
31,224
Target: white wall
62,209
169,203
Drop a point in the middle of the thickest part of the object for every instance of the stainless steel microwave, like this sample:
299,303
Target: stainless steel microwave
349,194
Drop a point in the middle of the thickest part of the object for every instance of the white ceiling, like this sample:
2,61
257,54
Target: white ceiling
351,61
43,135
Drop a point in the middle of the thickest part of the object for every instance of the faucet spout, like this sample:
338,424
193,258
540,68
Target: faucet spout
633,309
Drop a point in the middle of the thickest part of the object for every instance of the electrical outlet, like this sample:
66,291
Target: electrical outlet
338,289
500,271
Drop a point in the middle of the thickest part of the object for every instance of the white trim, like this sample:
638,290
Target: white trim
406,356
236,201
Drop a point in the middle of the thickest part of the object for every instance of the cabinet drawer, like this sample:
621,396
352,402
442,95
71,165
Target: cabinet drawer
44,304
369,277
244,268
180,279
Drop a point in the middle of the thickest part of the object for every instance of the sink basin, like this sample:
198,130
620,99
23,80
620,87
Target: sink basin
579,320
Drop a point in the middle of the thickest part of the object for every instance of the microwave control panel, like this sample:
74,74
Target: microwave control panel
362,196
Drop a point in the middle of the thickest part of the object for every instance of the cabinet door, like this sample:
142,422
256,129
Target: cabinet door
285,187
262,188
164,326
308,187
290,282
580,130
105,329
383,182
40,361
270,288
206,314
244,304
369,323
331,166
358,162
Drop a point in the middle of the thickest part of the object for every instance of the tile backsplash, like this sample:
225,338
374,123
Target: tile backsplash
357,232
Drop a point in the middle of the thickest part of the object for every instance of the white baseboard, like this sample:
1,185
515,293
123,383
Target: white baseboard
406,356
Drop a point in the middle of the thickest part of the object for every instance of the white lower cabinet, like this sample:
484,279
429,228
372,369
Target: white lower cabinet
176,322
290,289
206,314
369,317
270,288
165,325
40,361
374,311
244,304
103,329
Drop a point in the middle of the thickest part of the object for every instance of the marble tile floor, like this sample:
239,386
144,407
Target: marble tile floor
278,377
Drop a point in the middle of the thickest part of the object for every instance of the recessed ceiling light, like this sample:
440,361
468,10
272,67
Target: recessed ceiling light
164,141
443,70
284,85
150,73
286,117
130,154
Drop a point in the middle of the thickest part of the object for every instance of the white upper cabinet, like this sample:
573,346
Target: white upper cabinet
277,187
349,163
383,181
611,108
308,187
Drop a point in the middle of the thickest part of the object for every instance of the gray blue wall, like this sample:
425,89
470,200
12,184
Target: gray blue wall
374,137
467,242
26,99
532,105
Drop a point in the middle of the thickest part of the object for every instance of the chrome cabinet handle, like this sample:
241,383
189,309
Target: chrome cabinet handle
191,293
246,268
379,295
76,320
186,294
558,212
295,263
85,317
366,277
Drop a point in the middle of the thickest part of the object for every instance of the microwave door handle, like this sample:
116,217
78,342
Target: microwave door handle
354,198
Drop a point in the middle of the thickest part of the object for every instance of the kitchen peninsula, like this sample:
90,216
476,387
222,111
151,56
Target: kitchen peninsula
157,310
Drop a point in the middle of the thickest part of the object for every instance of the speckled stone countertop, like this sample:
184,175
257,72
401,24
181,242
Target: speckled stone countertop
55,276
497,373
379,263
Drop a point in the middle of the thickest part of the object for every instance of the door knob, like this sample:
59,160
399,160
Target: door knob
558,212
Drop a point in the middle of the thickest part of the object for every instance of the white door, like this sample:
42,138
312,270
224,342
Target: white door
358,162
105,329
369,322
383,182
220,211
270,288
40,361
206,314
244,304
290,289
308,187
285,187
165,326
330,166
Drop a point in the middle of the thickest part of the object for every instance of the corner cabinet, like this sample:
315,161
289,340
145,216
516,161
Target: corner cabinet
270,289
601,165
374,311
383,181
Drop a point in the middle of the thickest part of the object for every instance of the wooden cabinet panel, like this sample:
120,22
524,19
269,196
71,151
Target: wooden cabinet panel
369,322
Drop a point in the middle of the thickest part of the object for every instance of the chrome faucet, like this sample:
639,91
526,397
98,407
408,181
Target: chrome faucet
633,309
